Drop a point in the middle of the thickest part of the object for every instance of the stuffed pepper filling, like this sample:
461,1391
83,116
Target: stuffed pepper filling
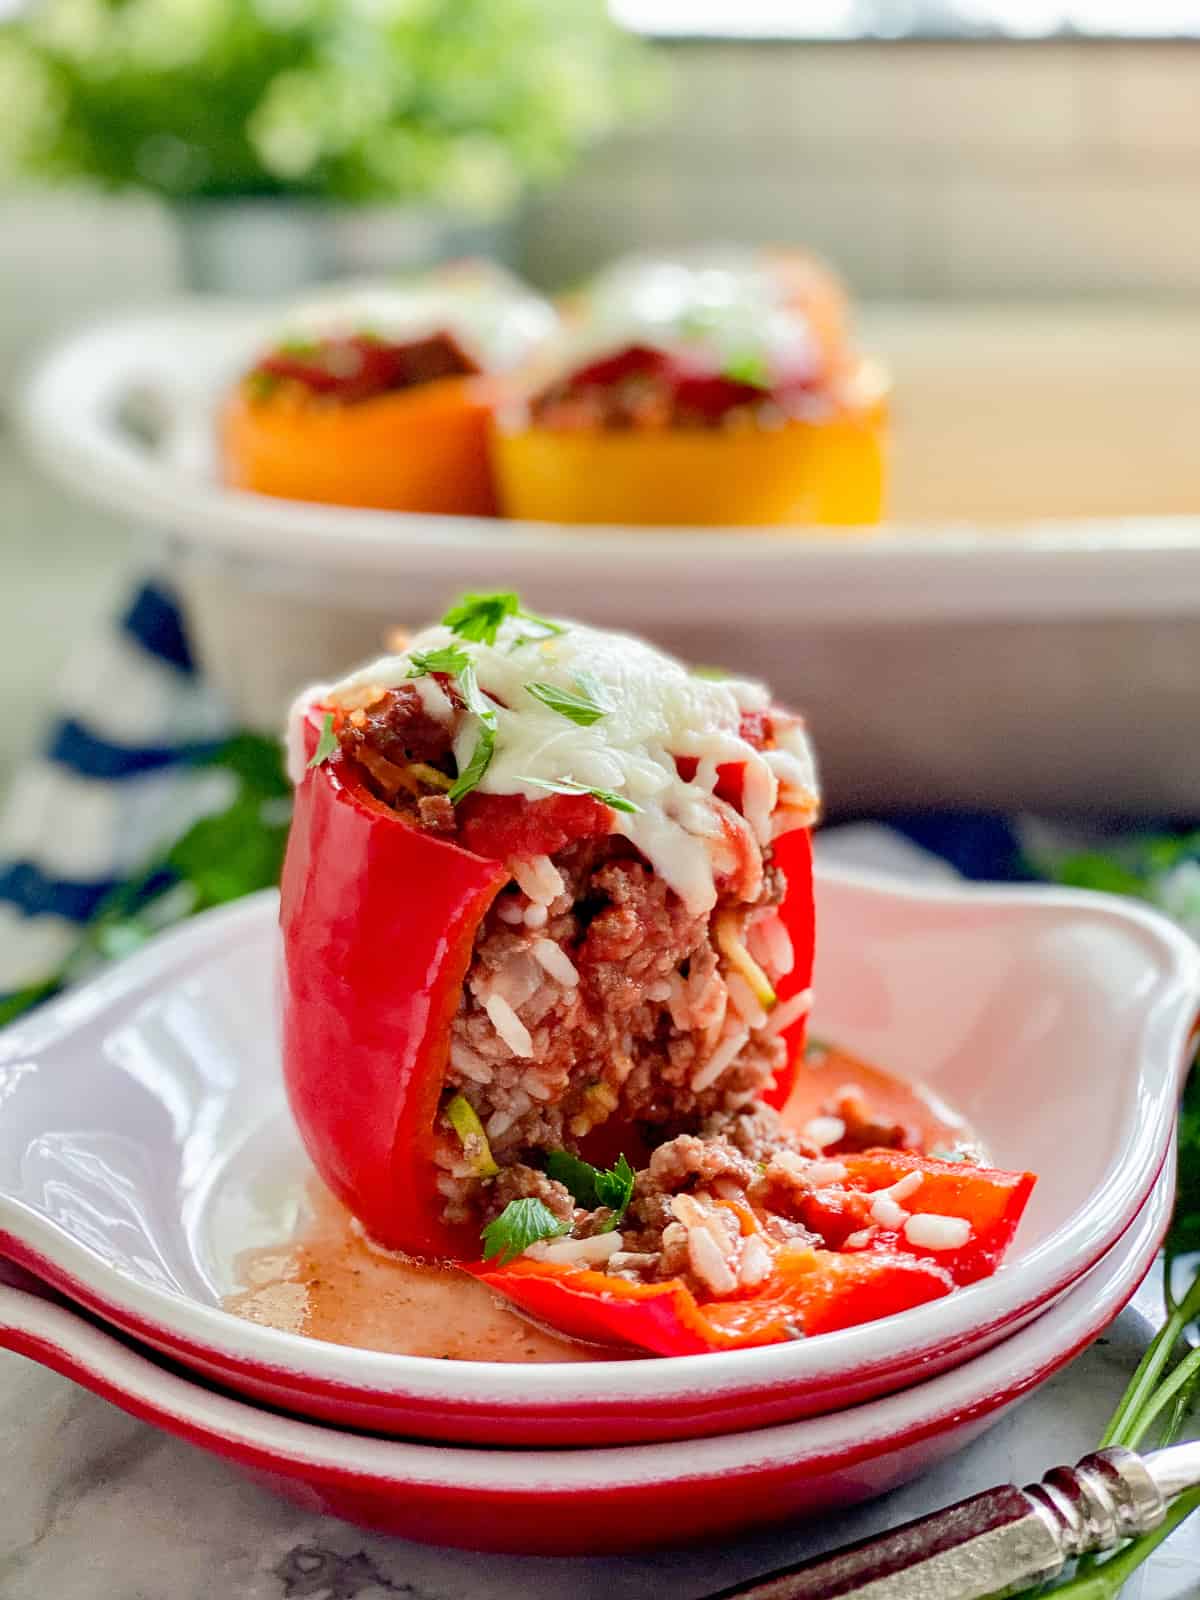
644,389
356,367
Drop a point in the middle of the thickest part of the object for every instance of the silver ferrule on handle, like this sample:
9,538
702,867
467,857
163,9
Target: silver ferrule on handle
996,1544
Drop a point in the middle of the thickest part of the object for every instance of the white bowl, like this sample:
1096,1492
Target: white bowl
988,647
144,1143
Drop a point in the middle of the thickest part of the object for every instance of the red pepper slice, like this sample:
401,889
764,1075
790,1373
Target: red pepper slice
992,1201
379,919
793,857
811,1291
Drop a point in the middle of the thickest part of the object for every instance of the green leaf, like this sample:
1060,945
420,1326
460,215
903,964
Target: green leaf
749,367
255,760
520,1224
485,746
581,709
618,802
592,1187
449,659
326,744
478,617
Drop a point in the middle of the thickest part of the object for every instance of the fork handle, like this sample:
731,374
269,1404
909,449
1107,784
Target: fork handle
992,1545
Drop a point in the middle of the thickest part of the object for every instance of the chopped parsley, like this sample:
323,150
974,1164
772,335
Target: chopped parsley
618,802
326,744
485,746
449,659
748,367
592,1187
478,617
520,1224
584,708
464,1119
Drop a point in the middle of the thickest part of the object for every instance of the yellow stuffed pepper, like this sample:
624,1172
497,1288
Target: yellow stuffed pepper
710,392
381,395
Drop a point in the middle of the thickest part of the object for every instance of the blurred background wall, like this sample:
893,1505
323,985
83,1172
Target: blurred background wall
975,169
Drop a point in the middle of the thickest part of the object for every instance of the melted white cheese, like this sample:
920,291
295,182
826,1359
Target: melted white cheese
659,711
723,311
493,316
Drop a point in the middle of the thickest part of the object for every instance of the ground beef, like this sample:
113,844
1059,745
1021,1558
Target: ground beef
866,1131
360,367
643,389
622,1042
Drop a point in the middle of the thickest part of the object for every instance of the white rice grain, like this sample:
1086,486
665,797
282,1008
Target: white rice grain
538,877
859,1240
468,1064
511,911
509,1026
577,1252
789,1011
536,916
907,1185
824,1131
708,1262
555,960
721,1058
929,1231
756,1263
886,1212
770,944
744,1000
823,1172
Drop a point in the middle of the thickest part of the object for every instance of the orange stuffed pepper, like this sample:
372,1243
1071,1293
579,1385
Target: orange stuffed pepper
382,395
716,391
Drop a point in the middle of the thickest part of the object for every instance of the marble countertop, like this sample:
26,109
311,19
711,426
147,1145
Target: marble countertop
98,1506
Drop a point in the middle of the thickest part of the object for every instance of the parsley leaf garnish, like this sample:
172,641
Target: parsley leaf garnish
591,1186
485,746
583,708
326,744
618,802
449,659
478,617
520,1224
748,367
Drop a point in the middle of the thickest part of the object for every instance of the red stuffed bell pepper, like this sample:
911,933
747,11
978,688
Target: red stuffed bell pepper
545,892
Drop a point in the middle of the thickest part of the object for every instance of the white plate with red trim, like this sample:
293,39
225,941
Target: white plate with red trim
554,1502
144,1142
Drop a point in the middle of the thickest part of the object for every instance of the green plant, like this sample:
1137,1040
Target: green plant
459,103
222,856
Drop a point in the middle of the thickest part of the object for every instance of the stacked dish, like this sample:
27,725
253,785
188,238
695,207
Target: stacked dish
145,1144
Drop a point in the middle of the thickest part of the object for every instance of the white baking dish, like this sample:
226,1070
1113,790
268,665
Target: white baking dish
1006,659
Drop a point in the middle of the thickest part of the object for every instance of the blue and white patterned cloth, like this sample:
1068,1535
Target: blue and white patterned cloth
114,781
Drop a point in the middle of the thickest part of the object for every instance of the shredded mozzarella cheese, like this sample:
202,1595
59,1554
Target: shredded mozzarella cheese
655,713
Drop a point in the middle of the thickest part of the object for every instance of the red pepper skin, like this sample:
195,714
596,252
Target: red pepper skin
378,920
793,857
812,1291
990,1200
